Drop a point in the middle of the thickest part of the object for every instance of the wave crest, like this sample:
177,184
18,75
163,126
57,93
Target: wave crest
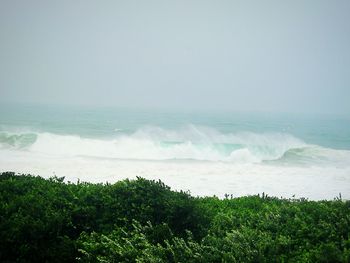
17,141
155,143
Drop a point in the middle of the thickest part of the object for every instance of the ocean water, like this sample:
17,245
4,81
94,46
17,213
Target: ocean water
207,153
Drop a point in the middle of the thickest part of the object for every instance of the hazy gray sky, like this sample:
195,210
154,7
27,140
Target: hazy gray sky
231,55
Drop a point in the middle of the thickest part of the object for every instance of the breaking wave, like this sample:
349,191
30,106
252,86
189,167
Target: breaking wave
188,143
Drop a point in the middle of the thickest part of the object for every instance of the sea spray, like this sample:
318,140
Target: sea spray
187,143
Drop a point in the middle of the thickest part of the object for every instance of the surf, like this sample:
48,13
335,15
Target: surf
190,142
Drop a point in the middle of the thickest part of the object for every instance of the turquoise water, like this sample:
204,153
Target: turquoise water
205,152
326,131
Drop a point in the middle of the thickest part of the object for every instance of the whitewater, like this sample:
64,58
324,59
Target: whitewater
204,154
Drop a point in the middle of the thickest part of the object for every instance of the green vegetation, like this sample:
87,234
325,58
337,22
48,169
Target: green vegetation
144,221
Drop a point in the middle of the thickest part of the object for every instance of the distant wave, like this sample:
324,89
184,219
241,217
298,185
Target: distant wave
17,141
190,142
314,155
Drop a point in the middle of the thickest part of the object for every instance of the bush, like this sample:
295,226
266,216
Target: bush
144,221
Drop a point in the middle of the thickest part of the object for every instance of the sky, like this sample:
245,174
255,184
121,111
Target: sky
280,56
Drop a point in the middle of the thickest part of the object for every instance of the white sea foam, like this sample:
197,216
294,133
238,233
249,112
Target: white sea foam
201,178
154,143
198,159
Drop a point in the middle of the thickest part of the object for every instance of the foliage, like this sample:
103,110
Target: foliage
144,221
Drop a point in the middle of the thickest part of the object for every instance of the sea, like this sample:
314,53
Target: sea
206,153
